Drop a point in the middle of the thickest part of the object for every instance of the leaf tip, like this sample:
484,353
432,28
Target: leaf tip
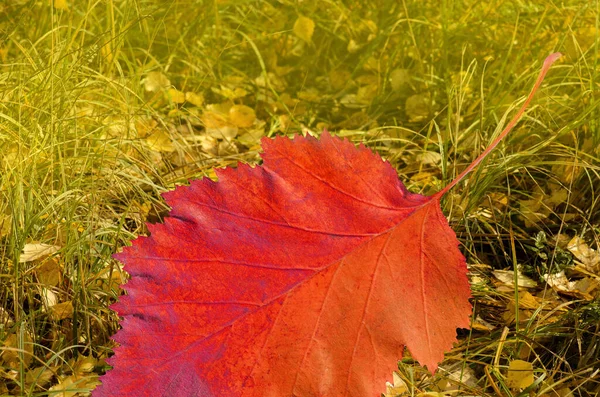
550,59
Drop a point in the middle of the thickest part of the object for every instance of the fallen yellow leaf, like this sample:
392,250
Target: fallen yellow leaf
49,273
398,388
520,374
242,116
160,141
194,99
155,81
304,28
60,4
62,311
175,95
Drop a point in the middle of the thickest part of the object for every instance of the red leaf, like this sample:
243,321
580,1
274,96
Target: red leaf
303,277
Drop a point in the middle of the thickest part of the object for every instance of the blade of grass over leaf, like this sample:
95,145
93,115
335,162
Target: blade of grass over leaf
546,66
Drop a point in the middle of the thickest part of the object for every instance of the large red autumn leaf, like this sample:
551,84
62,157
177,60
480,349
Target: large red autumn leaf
305,276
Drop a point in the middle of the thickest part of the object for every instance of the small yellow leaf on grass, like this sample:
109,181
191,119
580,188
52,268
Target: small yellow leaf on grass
194,99
155,81
60,4
366,94
429,158
230,93
418,107
520,374
160,141
3,53
5,225
70,386
304,28
339,78
215,115
353,46
242,116
61,311
399,78
85,364
176,96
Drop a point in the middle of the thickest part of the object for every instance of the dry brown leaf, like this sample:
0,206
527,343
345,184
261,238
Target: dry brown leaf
39,376
6,320
35,251
589,257
580,289
479,324
9,354
62,311
533,211
208,144
528,301
70,386
507,277
3,388
497,200
49,273
528,304
557,196
454,376
429,158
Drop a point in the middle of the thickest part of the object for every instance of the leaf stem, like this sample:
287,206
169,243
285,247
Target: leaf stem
547,63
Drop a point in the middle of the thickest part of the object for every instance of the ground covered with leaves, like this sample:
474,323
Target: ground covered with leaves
106,105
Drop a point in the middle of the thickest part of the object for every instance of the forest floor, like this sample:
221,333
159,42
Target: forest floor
104,105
